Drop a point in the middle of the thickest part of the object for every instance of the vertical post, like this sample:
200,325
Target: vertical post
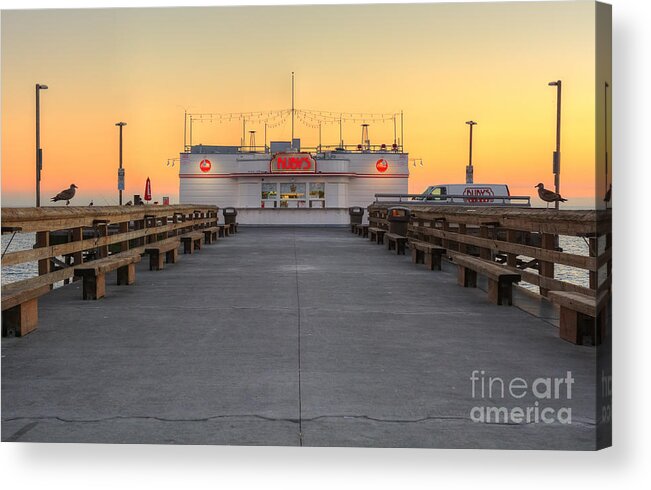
120,199
484,252
265,137
38,146
546,269
557,152
402,132
39,152
190,132
292,110
43,240
395,131
463,248
469,168
606,134
124,228
185,129
511,259
341,131
319,136
593,245
243,131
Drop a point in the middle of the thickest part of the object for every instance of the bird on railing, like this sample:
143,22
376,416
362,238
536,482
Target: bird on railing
91,203
547,195
129,203
65,195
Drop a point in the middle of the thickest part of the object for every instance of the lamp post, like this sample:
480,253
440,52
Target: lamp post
39,152
469,168
557,152
120,169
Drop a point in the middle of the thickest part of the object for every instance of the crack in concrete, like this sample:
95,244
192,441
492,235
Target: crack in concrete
292,420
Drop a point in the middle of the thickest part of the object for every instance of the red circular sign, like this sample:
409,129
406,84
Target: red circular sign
205,165
381,165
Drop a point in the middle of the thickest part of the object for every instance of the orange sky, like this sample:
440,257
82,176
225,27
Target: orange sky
443,64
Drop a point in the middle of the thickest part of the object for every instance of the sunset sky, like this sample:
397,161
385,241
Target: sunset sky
442,64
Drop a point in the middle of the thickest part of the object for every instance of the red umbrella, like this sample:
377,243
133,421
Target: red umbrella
148,190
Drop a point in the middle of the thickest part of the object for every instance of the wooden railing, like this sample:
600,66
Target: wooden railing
523,240
80,234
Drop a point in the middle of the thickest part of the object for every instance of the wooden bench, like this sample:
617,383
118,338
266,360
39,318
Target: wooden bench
20,307
396,242
191,241
376,235
167,249
426,253
500,280
224,230
94,273
580,315
362,230
210,234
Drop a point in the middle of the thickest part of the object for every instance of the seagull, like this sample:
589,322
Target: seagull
65,195
129,203
91,203
608,194
548,196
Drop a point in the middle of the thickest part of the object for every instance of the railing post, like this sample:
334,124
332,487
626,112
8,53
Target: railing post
485,252
593,245
511,259
43,240
77,257
463,248
124,228
546,269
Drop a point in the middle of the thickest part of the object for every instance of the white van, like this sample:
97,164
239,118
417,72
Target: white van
480,194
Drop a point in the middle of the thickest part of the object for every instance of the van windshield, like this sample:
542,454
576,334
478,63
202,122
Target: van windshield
437,194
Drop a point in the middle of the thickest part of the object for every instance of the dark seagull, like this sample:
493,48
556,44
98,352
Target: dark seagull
65,195
549,196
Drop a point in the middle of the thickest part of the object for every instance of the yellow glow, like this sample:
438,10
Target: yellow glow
442,64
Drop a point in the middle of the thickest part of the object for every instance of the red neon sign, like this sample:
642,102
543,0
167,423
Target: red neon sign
205,165
293,163
382,165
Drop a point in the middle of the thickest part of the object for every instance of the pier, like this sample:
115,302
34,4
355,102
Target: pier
300,336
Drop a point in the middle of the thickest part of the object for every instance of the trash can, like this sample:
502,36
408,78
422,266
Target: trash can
356,214
398,218
230,217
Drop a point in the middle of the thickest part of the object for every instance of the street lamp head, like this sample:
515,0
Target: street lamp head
554,84
41,87
471,123
121,124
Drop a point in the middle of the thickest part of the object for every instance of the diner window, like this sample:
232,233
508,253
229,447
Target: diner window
269,195
292,195
317,194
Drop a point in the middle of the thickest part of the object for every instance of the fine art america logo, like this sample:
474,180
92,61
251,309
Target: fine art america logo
502,394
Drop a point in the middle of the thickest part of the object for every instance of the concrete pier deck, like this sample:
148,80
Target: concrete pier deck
288,336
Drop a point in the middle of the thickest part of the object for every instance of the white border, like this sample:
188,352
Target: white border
626,465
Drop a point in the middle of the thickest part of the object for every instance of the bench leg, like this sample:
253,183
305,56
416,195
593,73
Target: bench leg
94,287
573,326
197,244
466,277
21,319
400,247
500,292
127,274
414,255
364,232
207,238
389,244
171,256
155,261
188,246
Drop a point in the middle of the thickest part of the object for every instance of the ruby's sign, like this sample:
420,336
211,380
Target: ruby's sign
293,163
480,194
